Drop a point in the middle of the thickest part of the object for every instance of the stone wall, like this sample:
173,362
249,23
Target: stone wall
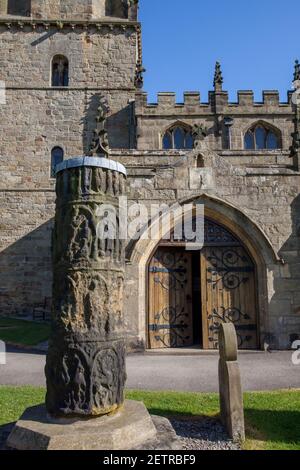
78,9
258,189
103,58
25,249
267,196
68,9
37,117
35,121
153,119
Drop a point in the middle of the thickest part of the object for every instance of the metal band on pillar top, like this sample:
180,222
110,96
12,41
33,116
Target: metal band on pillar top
98,162
85,367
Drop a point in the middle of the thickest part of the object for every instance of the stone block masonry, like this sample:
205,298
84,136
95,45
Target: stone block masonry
153,119
270,200
25,256
100,55
257,190
78,9
37,117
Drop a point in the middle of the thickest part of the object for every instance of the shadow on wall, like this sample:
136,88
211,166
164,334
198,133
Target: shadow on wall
120,125
286,299
26,272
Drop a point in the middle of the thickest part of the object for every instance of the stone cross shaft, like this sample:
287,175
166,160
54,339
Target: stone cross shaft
85,367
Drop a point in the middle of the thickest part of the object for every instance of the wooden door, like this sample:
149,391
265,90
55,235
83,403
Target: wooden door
228,295
170,299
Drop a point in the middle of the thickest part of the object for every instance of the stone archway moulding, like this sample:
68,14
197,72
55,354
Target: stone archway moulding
236,221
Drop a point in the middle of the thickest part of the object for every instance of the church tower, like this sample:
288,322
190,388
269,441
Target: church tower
59,60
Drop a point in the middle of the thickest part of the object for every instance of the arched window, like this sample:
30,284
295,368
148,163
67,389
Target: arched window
261,137
17,8
57,156
178,137
116,8
60,71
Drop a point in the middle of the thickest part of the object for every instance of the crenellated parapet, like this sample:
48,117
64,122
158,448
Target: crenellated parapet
70,9
227,122
217,101
245,124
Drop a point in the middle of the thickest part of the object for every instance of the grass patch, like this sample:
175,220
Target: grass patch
23,333
177,404
272,418
14,400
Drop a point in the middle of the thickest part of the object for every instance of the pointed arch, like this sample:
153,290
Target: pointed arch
262,135
233,218
255,241
177,136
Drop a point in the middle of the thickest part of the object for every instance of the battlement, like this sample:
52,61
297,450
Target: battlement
218,102
69,9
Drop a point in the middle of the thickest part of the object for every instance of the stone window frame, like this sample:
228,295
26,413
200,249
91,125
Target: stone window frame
113,8
52,166
15,8
170,131
66,59
269,129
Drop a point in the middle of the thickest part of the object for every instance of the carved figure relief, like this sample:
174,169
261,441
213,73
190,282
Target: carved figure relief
85,366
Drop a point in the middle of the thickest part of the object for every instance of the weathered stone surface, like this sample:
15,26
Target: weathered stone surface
70,9
129,428
165,439
262,184
85,367
231,397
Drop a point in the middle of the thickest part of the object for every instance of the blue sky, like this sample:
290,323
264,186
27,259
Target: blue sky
256,41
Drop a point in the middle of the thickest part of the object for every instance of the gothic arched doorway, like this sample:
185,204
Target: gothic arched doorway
190,293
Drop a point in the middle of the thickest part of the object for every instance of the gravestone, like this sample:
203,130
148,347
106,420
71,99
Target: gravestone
85,367
231,396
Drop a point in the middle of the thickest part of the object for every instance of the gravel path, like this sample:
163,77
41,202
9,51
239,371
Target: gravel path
203,434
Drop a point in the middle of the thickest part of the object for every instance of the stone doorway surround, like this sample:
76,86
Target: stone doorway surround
229,216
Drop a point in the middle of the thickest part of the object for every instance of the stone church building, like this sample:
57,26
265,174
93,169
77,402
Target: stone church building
61,58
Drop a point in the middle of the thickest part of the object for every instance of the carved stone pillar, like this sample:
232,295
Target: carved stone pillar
85,367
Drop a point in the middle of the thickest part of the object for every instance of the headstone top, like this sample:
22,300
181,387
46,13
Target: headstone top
228,342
